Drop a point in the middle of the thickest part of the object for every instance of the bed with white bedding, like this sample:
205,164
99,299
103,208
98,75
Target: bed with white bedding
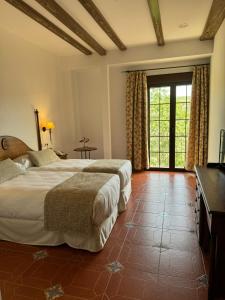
14,148
22,211
79,165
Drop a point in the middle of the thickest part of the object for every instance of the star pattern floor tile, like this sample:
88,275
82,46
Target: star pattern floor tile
152,253
40,254
54,292
114,267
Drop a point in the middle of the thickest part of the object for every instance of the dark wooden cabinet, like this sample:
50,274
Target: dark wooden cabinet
210,224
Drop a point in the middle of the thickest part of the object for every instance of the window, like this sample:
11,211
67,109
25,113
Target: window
183,100
169,112
159,126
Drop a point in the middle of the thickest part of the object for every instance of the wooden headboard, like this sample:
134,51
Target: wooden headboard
12,147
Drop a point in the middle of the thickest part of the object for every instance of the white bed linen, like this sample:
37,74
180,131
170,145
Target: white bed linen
77,165
23,196
124,197
32,232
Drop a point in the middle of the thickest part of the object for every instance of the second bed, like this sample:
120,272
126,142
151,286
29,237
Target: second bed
120,167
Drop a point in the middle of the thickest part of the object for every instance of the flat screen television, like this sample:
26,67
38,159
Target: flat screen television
222,148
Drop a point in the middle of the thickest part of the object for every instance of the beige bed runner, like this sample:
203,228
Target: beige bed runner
69,205
106,166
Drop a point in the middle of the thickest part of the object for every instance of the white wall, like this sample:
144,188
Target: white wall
179,50
88,109
33,78
217,94
108,88
101,79
84,96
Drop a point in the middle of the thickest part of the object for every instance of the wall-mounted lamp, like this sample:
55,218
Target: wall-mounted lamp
49,125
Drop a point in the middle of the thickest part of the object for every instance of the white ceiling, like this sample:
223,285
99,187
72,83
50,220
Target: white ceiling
129,18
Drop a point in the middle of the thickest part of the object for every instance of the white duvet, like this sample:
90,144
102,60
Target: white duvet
77,165
23,196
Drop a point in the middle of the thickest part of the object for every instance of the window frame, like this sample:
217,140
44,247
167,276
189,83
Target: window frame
172,80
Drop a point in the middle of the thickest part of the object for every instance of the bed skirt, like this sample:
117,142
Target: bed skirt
124,197
32,232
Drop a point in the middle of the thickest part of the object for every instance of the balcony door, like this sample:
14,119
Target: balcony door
169,115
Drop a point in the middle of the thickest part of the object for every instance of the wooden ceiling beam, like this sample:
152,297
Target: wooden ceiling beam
93,10
36,16
214,20
57,11
156,20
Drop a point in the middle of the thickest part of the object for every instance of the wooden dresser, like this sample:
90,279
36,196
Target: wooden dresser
210,222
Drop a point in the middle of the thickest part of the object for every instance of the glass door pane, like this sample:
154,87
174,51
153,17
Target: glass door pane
169,115
159,126
183,99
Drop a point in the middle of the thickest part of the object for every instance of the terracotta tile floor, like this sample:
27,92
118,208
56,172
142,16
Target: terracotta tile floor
152,253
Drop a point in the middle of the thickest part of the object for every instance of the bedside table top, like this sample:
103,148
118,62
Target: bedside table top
86,148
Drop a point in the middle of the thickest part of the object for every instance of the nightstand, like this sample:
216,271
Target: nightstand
86,151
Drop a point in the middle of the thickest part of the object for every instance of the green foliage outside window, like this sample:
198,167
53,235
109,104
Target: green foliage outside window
160,126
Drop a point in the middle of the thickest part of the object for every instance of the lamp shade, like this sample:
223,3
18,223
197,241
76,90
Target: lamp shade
50,125
43,124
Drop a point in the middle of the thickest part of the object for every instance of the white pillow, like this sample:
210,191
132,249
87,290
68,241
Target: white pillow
22,168
8,170
43,157
24,160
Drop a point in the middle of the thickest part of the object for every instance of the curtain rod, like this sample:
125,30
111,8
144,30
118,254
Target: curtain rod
128,71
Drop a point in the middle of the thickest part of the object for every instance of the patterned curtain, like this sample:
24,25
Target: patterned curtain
137,120
197,150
